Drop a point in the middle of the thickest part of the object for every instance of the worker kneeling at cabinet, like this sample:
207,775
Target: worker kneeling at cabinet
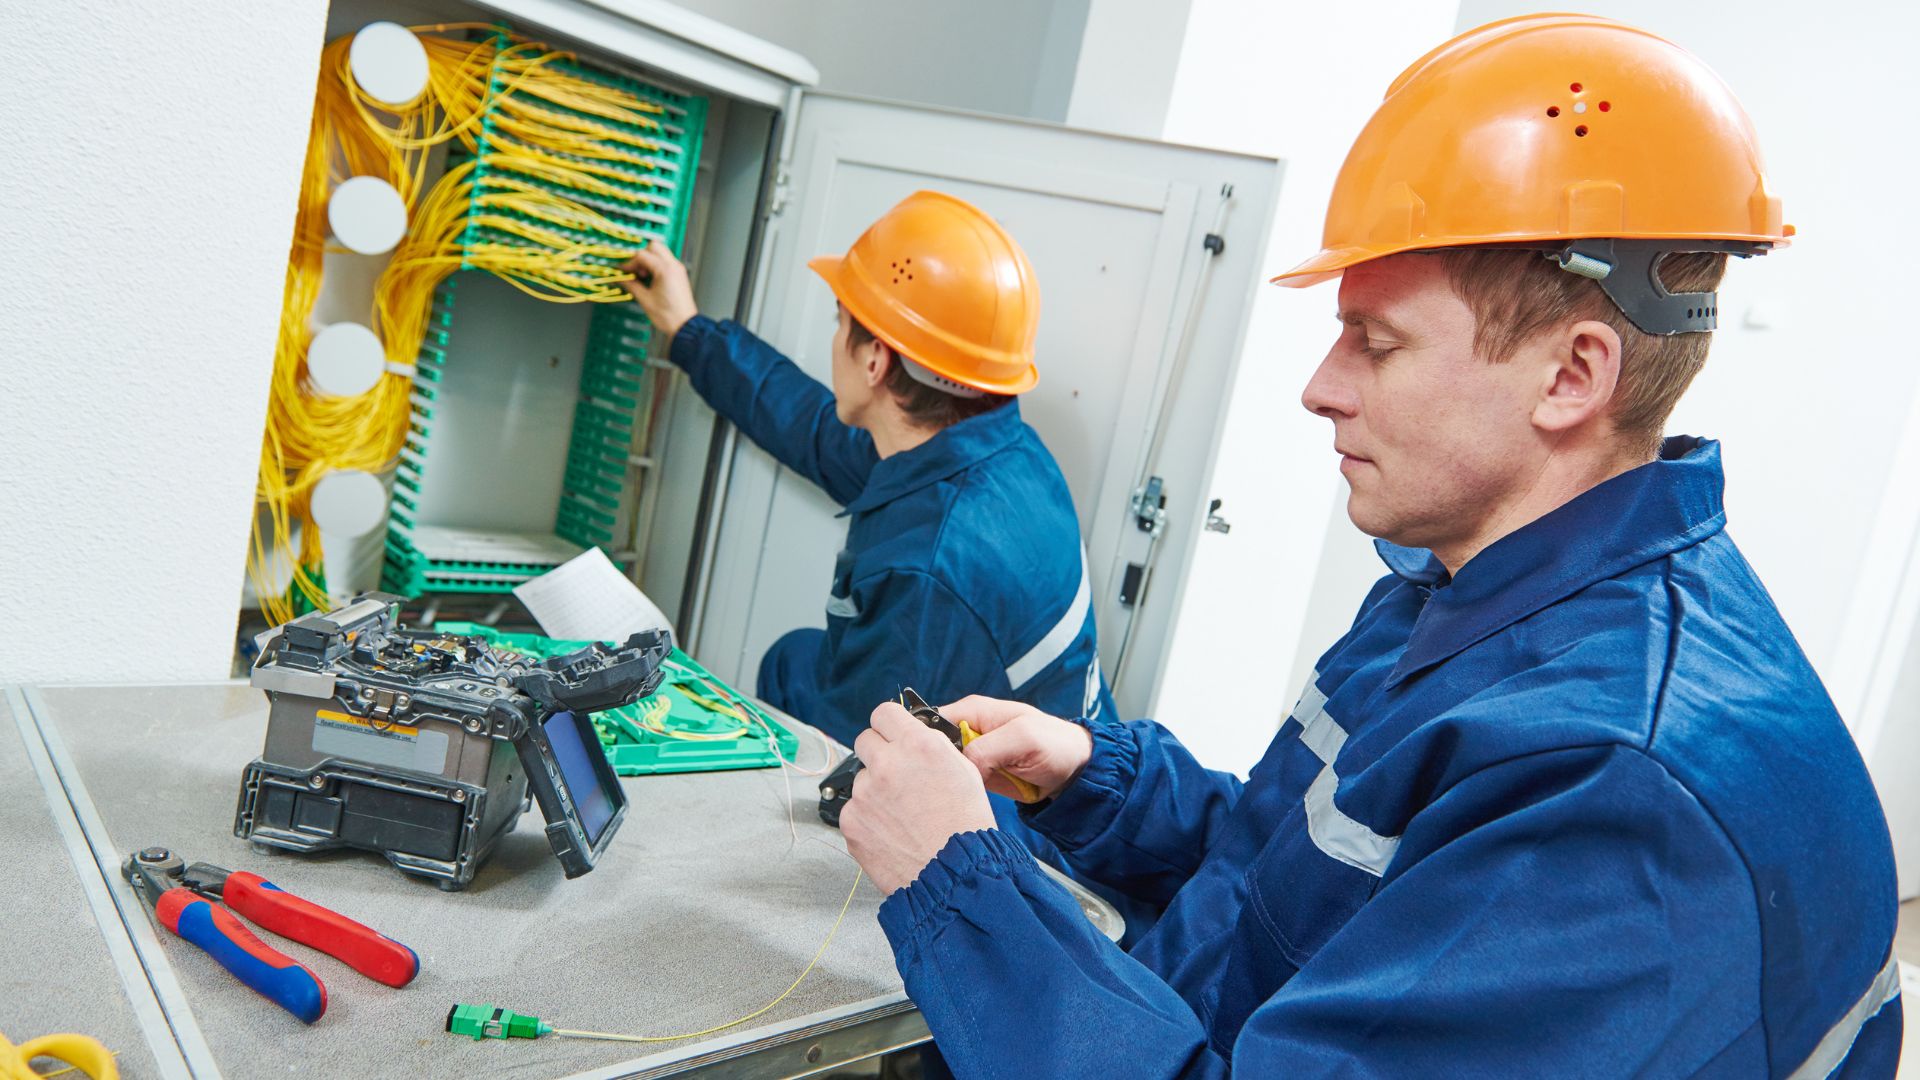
1567,798
963,568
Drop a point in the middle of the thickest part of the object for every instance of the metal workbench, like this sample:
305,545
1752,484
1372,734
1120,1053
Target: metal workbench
703,910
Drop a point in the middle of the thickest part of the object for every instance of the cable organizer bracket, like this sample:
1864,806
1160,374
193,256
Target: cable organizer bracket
555,172
627,194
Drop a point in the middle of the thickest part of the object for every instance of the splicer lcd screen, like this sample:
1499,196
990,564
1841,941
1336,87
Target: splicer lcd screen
567,734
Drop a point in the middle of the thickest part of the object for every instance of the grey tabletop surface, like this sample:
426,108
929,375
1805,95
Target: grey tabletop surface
56,974
706,906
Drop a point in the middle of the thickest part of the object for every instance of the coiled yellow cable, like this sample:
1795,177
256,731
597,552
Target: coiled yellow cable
550,127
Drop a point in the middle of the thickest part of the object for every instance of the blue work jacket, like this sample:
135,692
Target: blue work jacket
963,571
1583,809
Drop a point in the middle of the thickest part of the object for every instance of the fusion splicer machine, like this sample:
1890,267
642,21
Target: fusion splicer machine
397,741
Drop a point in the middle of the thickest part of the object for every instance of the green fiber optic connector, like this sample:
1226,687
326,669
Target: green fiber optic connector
487,1022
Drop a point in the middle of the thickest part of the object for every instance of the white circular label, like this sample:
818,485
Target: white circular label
345,360
348,502
388,62
367,215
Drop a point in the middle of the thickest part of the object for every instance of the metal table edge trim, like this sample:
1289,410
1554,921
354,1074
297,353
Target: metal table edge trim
842,1033
178,1046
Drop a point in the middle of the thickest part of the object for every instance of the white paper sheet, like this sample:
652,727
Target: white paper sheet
587,598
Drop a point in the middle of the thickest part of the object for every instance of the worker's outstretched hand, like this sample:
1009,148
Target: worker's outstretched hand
661,288
915,793
1020,740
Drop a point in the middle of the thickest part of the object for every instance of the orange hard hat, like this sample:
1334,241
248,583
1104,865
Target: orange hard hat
1541,130
945,287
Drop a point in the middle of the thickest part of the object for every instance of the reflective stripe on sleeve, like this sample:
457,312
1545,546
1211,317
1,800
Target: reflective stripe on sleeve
1838,1041
1058,639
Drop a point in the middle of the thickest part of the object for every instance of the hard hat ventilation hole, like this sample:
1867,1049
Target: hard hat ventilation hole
1575,88
1553,110
1606,105
1581,131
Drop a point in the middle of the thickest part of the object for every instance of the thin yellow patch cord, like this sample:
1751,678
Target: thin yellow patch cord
569,132
308,434
568,92
858,876
651,718
434,249
742,708
353,136
525,160
460,77
748,712
692,736
582,145
456,70
528,157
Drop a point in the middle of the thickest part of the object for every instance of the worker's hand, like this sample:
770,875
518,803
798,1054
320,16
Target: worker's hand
915,793
1018,739
661,288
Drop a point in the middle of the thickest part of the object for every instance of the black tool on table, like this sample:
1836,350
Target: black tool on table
837,788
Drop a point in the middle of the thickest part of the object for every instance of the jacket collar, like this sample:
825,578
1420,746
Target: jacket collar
1647,513
951,450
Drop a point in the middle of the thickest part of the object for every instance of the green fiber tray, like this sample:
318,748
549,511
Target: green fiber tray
670,732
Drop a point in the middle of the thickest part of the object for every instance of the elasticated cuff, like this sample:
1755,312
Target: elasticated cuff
690,342
1086,807
982,852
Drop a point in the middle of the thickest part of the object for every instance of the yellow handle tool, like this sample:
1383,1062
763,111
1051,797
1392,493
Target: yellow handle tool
960,735
1024,791
80,1052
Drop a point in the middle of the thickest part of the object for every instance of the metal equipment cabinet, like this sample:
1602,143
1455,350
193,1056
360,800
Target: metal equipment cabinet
1142,316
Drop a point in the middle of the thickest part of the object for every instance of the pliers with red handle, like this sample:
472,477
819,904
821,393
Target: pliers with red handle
183,899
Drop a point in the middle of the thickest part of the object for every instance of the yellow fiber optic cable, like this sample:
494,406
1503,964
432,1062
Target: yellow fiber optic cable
761,1011
552,127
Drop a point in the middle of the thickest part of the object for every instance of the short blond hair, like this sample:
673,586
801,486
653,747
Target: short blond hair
1516,295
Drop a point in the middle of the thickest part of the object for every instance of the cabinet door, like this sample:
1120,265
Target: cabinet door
1117,230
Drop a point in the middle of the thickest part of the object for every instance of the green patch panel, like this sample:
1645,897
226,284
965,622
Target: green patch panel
615,394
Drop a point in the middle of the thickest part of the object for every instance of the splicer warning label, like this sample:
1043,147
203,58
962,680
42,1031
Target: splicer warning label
399,746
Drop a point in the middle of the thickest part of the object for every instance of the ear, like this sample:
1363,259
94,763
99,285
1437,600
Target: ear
875,361
1580,377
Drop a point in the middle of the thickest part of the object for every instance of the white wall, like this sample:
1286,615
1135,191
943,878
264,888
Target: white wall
1296,81
1129,55
1014,57
152,159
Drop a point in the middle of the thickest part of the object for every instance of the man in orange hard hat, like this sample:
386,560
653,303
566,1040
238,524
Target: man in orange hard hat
1567,799
963,568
